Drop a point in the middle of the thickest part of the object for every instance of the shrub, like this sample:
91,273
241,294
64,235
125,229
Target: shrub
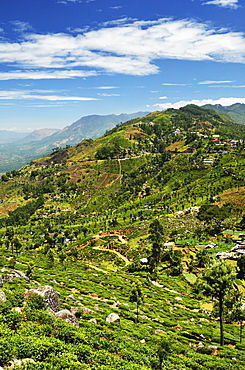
6,351
36,348
67,361
12,319
83,352
35,301
68,334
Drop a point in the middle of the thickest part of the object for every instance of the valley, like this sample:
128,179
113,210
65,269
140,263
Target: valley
110,248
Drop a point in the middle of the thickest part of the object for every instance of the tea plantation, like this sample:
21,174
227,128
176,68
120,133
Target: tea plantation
108,248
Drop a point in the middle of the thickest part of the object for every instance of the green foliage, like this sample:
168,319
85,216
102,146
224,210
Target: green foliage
35,302
98,219
22,214
6,351
216,281
241,267
108,151
137,296
38,349
163,351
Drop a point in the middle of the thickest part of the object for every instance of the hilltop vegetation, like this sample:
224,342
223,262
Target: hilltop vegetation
235,111
119,224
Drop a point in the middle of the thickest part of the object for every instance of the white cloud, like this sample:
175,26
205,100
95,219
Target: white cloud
131,48
171,84
20,26
213,82
224,3
106,87
65,2
119,22
28,94
78,30
104,94
223,101
163,97
17,129
44,75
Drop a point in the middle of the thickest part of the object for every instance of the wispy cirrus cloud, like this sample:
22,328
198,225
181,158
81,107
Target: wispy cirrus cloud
67,2
20,26
172,84
106,87
105,94
131,48
214,82
39,95
118,22
45,75
182,103
223,3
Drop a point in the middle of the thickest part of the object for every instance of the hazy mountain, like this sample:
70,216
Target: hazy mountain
235,111
41,142
39,135
10,136
90,127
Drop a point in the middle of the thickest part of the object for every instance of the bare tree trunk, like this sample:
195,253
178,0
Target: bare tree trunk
241,327
221,320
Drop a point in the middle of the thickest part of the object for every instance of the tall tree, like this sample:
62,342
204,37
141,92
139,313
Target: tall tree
163,351
236,310
216,281
156,237
241,267
156,231
137,296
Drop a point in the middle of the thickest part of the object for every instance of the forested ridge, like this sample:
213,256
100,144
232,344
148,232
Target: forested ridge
126,251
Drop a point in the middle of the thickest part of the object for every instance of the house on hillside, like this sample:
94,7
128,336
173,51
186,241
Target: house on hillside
237,251
240,246
208,161
169,245
224,255
210,245
177,132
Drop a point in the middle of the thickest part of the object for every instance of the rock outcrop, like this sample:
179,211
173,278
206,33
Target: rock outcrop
2,296
68,317
50,296
14,274
113,317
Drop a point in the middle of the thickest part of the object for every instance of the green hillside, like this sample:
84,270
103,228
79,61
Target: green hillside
235,111
14,155
119,225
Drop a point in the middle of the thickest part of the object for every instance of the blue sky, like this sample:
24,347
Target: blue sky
64,59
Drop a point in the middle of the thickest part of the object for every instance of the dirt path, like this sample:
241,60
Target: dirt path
96,268
120,237
127,262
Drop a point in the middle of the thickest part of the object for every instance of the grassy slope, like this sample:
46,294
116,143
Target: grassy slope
115,197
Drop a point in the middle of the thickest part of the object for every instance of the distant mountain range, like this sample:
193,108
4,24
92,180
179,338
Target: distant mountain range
235,111
89,127
21,150
10,136
38,135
